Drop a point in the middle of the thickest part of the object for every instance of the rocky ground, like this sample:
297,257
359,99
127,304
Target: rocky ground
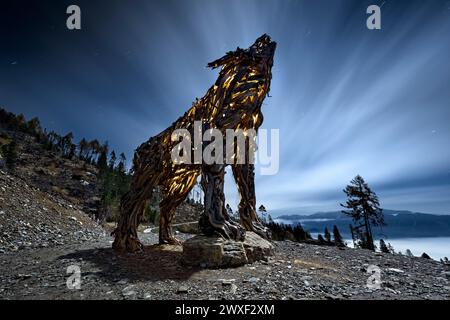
297,271
31,218
42,235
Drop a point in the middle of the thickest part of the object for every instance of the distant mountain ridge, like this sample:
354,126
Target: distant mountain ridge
400,223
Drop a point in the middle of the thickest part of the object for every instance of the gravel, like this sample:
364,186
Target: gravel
43,239
157,274
33,219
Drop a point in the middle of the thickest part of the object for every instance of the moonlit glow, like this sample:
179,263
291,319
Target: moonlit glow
347,100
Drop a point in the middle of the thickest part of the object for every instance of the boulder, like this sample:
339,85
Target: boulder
216,252
188,227
256,247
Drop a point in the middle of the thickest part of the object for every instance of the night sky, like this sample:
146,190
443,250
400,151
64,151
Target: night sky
347,100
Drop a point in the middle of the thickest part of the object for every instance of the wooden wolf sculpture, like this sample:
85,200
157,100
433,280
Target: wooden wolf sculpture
233,102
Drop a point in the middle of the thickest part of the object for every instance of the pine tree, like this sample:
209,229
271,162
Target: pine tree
54,140
320,239
338,241
21,123
10,153
72,149
327,235
34,126
229,210
425,256
102,161
95,149
65,144
123,180
233,215
408,253
364,209
112,160
383,247
82,146
262,214
122,163
390,248
299,233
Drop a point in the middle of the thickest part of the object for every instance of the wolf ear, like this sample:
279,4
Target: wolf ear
227,58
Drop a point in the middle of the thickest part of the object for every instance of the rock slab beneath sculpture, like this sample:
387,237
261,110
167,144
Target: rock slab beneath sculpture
216,252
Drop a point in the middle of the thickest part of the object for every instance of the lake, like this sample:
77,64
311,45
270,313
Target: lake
413,235
435,247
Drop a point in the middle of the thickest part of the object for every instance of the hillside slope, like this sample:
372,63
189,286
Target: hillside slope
31,218
42,160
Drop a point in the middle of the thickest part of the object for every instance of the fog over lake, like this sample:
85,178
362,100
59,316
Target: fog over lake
436,248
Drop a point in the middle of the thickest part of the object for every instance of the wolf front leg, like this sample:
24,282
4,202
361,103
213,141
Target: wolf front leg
175,191
214,220
244,175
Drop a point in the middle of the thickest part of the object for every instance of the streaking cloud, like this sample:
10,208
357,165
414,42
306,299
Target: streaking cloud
347,100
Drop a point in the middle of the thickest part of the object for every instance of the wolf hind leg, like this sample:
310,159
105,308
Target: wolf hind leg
214,219
132,205
132,208
245,179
